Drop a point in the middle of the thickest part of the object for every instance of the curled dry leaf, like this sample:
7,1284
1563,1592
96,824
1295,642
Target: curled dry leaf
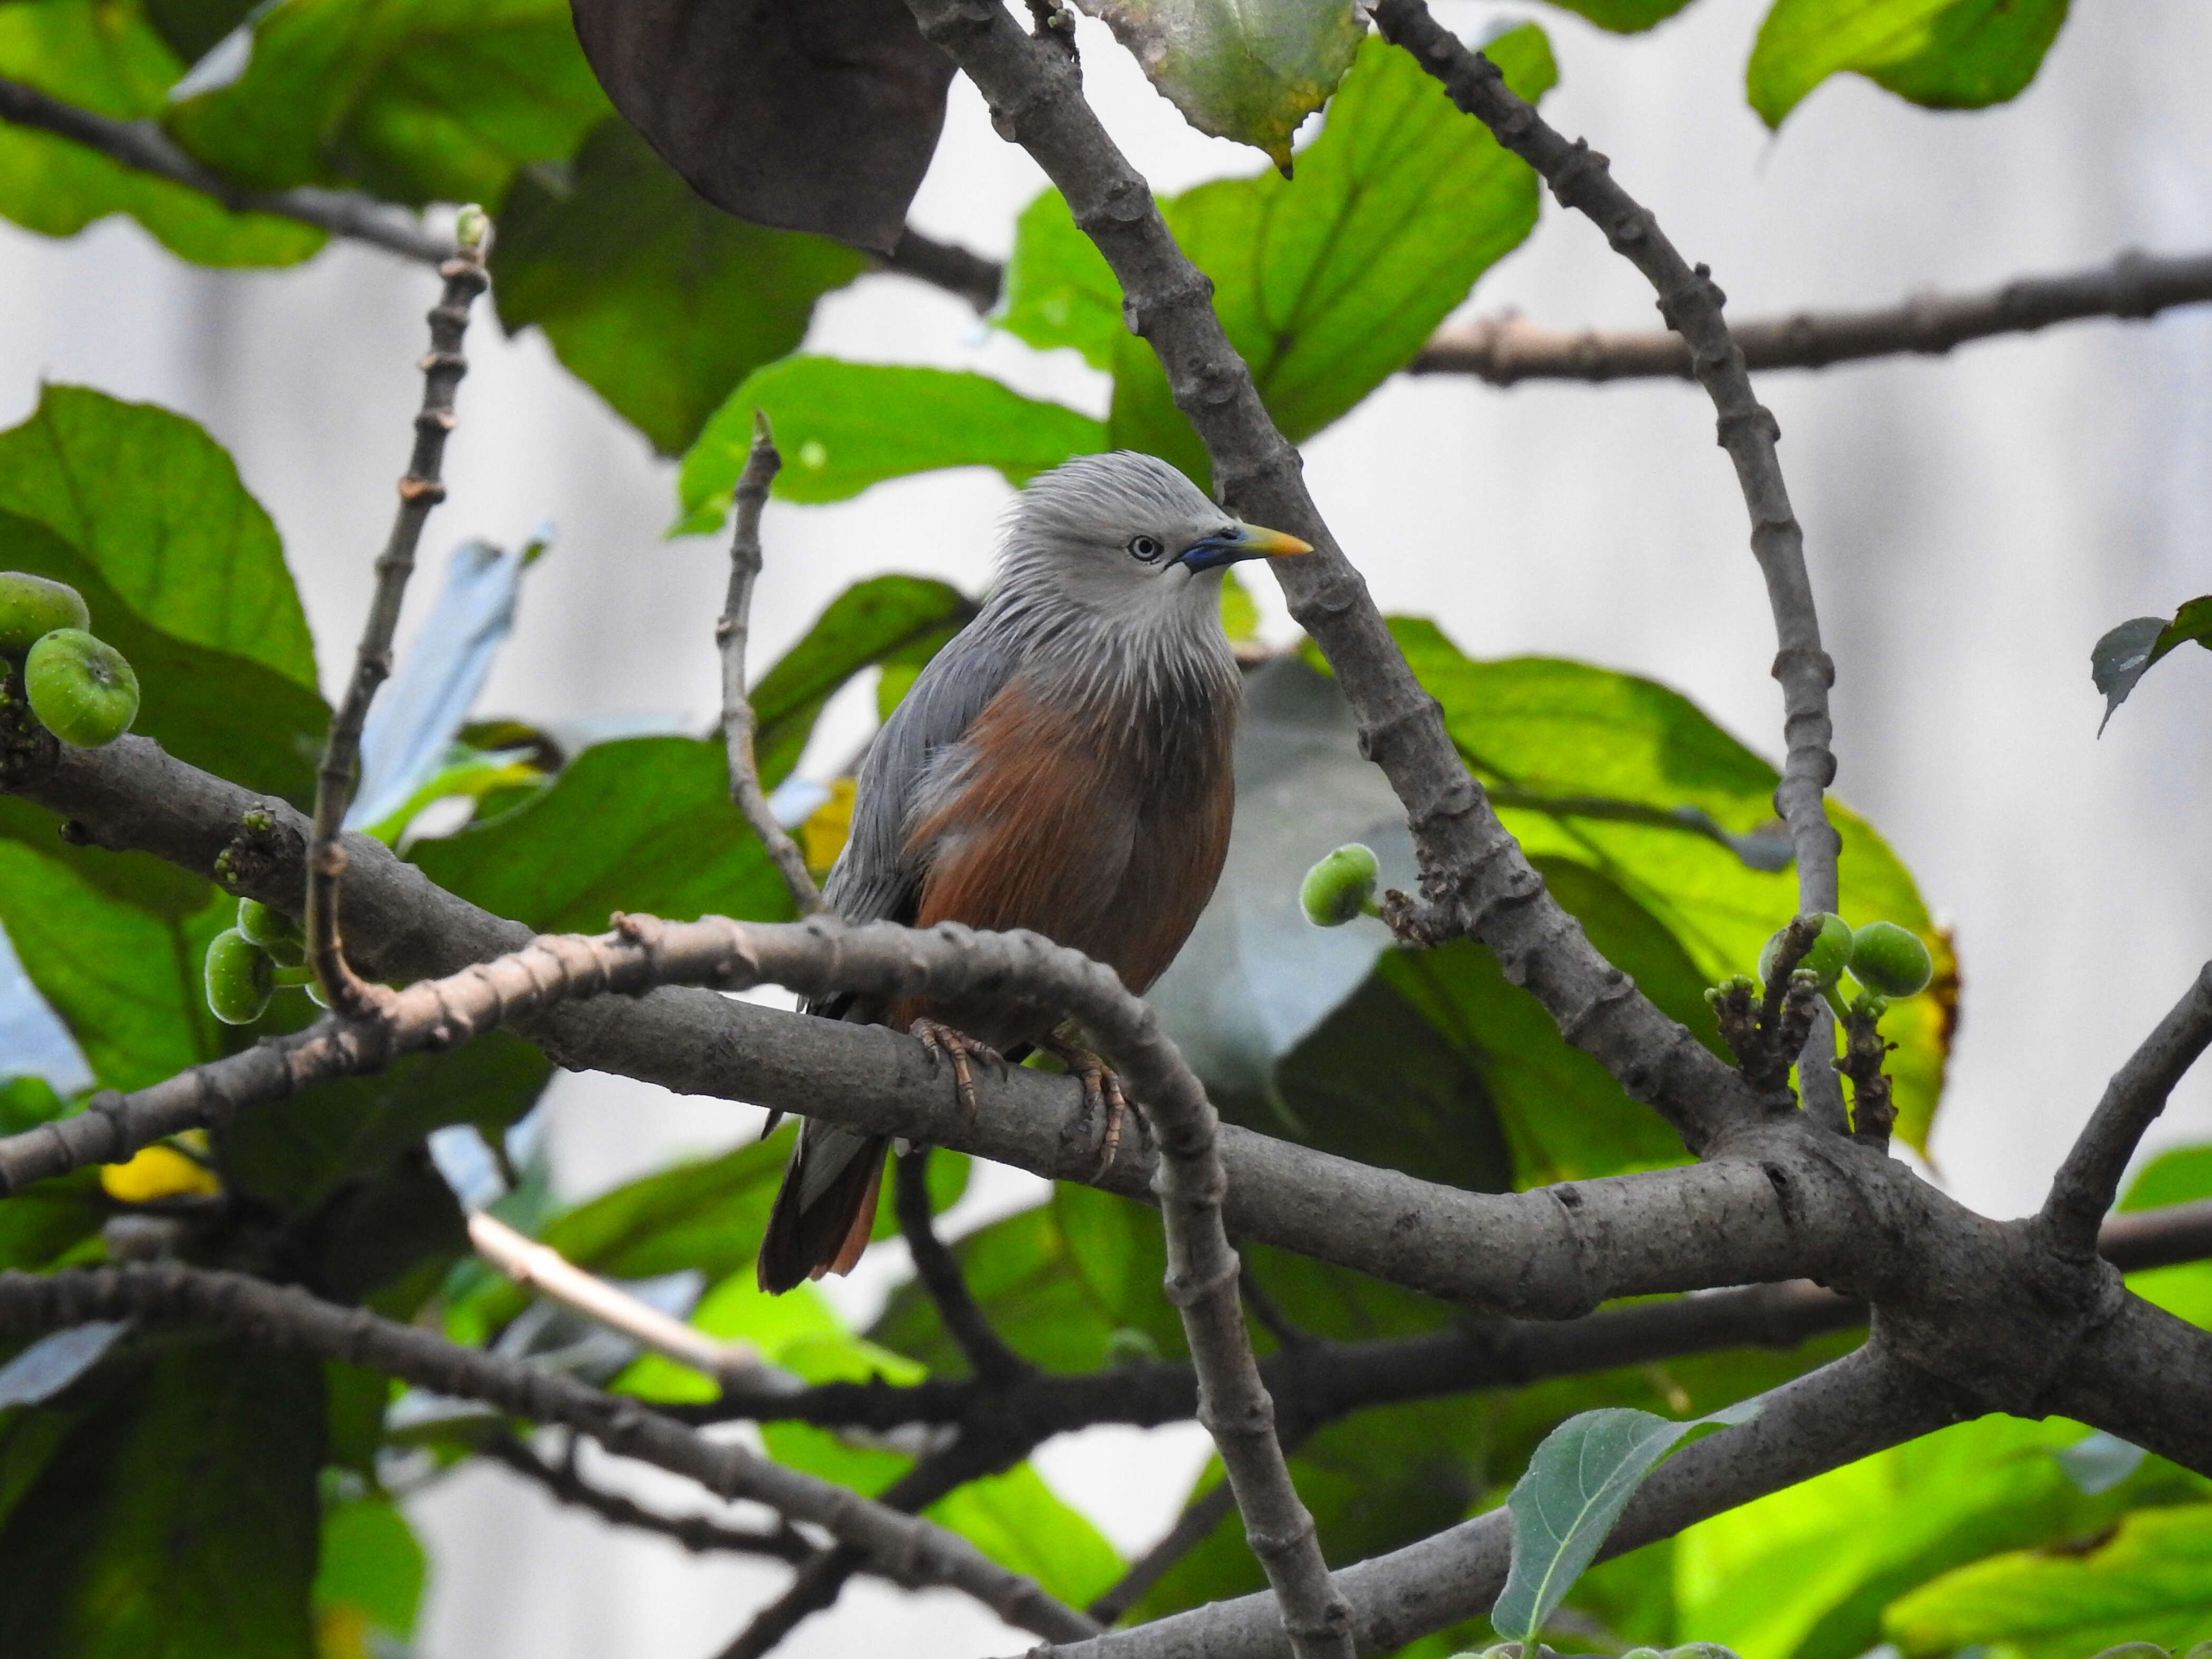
815,115
1247,70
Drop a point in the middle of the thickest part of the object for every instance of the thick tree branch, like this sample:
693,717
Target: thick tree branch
419,490
144,147
732,635
1473,873
2089,1180
31,1304
994,1362
1506,349
1691,302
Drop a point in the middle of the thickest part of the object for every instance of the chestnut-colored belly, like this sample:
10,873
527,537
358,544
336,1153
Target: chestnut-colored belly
1104,834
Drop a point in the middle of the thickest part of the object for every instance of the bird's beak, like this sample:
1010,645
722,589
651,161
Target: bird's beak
1243,541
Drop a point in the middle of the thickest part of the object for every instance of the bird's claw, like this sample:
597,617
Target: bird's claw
1100,1087
943,1042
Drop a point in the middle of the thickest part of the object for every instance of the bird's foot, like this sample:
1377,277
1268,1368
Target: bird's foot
1101,1088
943,1042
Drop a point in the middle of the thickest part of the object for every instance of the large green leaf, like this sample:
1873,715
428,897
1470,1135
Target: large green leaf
2149,1581
417,101
156,506
1239,71
658,301
1947,54
105,58
1806,1573
901,619
843,426
1325,283
1020,1522
225,713
1565,747
370,1574
645,824
1624,16
125,981
175,1518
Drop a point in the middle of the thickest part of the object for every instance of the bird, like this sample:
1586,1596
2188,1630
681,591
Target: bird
1062,765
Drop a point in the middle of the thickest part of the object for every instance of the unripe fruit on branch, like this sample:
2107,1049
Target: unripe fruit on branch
273,930
80,688
32,607
1830,955
240,978
1889,960
1340,887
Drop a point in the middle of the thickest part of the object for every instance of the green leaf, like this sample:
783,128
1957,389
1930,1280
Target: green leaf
645,824
1574,1489
1239,71
2145,1582
124,980
1328,283
1945,54
1624,16
1545,730
41,1223
2126,653
902,619
176,1515
105,58
225,713
1806,1573
1020,1522
1059,290
416,100
843,426
153,503
2175,1177
371,1569
658,301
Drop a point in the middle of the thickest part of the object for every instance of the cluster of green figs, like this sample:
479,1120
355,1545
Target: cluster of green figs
248,963
1884,960
80,687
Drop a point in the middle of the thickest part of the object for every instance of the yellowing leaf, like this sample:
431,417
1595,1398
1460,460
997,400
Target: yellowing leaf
155,1172
1247,70
821,837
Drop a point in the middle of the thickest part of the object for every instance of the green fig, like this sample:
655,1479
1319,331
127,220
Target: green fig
32,607
274,931
1830,955
240,978
1340,887
80,688
1890,961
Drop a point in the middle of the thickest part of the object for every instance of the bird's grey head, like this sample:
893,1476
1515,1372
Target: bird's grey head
1125,538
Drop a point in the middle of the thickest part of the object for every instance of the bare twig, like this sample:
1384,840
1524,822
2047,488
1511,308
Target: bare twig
1506,349
939,1270
286,1316
2089,1179
695,1532
144,147
1191,1528
731,634
946,265
1691,302
419,490
546,1271
1874,1114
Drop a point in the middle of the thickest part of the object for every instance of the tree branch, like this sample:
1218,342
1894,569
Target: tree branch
1504,350
1473,873
1691,302
2089,1180
994,1362
946,265
144,147
731,634
286,1317
419,490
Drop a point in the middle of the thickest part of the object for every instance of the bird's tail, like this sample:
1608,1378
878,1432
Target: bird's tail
825,1208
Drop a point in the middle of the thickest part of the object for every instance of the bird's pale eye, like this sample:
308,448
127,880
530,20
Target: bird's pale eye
1146,547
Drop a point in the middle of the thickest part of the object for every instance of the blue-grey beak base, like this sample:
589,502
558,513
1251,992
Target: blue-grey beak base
1232,546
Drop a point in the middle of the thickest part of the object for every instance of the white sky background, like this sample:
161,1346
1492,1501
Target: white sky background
1972,525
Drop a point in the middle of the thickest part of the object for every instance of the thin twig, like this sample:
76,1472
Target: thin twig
944,265
551,1274
2089,1179
419,490
144,147
288,1316
695,1532
939,1270
732,635
1192,1527
1691,302
1506,349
